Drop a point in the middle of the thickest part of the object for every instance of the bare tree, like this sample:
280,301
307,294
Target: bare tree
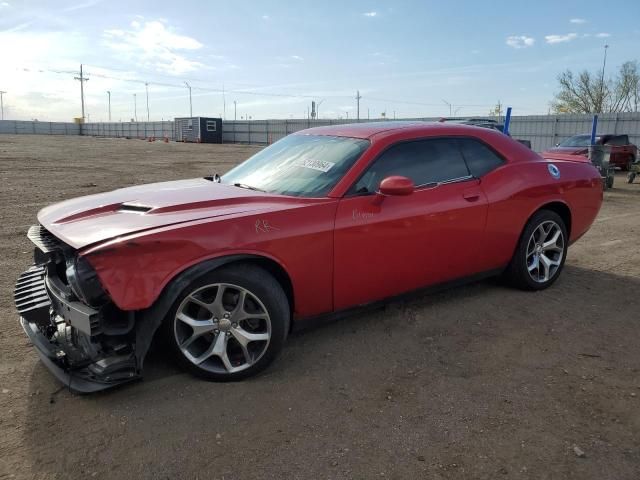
590,93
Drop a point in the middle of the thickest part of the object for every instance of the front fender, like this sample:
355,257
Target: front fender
150,319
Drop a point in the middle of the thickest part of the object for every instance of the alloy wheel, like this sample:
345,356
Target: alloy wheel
545,251
222,328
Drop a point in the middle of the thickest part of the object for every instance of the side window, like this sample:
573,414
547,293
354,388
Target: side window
423,161
480,158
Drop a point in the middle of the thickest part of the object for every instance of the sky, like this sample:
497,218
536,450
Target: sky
271,59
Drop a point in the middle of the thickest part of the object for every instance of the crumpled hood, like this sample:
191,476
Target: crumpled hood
83,221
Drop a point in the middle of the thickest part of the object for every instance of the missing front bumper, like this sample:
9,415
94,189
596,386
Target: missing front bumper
78,381
69,339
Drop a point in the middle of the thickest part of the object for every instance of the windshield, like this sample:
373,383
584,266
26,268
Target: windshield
577,141
299,165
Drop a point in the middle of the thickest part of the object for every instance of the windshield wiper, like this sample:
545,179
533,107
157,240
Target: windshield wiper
248,187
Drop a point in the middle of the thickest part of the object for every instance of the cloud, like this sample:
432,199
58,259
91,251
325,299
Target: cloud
154,45
578,21
603,35
297,57
553,39
4,4
520,41
266,17
370,14
80,6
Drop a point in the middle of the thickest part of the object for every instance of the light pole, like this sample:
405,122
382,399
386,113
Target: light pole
604,64
358,97
146,86
135,108
2,104
235,111
109,102
318,108
190,103
450,106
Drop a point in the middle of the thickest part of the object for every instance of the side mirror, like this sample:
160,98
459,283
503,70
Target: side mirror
396,186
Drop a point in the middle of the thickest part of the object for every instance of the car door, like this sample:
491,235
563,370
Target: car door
387,245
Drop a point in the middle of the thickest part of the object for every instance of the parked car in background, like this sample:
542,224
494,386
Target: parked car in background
320,222
623,152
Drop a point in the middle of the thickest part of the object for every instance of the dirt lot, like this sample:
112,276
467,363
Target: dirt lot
478,382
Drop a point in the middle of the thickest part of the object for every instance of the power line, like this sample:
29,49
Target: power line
224,90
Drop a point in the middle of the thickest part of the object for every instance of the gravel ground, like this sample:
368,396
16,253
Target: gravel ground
476,382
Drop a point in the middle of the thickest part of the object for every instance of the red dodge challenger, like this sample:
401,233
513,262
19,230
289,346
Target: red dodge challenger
322,221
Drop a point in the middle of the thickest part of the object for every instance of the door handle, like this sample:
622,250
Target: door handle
471,195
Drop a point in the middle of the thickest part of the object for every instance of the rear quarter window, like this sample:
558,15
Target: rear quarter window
479,157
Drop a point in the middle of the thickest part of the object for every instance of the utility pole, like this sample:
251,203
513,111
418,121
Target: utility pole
235,111
146,86
82,79
135,108
368,118
358,97
224,104
190,103
604,64
2,104
109,101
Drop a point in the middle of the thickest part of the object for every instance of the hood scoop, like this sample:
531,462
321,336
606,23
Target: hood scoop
133,208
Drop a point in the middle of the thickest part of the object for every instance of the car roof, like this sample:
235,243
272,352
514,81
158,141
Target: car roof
369,129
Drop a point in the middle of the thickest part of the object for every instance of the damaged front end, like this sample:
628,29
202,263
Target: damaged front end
80,335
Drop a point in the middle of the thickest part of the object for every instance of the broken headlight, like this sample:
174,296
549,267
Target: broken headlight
84,282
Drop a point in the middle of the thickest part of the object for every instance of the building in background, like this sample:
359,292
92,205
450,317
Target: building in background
199,129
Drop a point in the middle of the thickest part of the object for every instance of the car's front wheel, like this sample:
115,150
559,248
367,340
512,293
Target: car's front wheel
229,324
541,252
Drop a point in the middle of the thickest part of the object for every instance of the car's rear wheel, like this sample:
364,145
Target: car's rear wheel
229,324
541,252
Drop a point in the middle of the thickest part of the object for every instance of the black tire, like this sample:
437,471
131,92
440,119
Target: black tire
259,283
610,180
517,273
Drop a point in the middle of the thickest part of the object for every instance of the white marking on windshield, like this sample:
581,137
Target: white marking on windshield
320,165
